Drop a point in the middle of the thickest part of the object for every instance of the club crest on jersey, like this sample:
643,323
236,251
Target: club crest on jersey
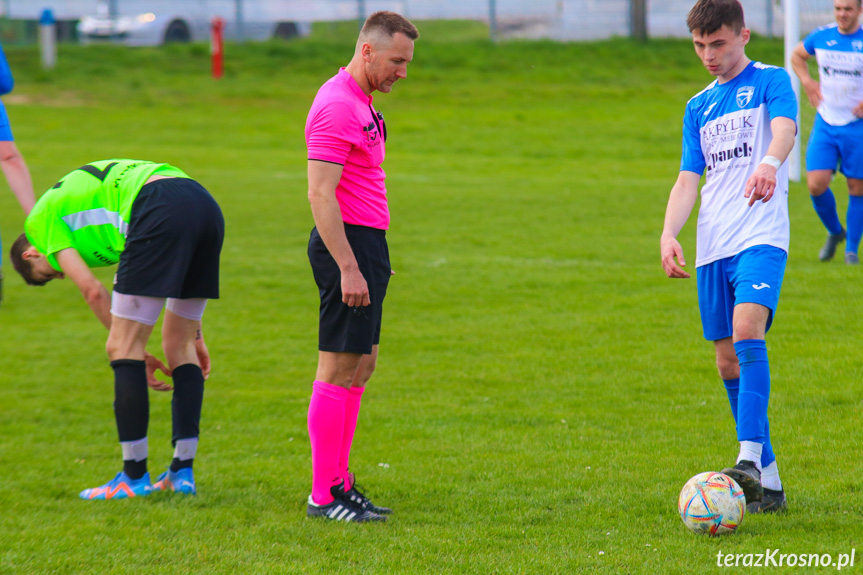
857,45
744,95
372,135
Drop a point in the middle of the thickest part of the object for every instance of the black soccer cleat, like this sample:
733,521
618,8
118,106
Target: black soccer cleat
341,508
356,496
772,502
829,250
748,477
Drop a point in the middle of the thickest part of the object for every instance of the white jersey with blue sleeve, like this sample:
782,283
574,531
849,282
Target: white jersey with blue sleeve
840,71
726,133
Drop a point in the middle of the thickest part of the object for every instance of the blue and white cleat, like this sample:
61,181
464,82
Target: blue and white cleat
121,487
181,481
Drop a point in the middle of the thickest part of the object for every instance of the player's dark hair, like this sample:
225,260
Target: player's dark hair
708,16
390,24
22,266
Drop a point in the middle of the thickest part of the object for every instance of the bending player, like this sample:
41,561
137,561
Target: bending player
165,231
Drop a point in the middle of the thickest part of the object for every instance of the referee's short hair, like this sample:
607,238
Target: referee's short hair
389,23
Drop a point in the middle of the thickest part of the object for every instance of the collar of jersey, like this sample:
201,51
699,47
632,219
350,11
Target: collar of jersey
345,76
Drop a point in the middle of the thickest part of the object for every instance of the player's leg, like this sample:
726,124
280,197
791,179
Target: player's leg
354,492
824,203
328,405
822,156
774,499
729,371
752,397
757,275
181,327
132,322
363,373
345,336
850,142
172,249
854,220
716,305
326,421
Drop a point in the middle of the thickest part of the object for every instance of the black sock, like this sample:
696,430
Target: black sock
178,464
186,407
134,469
131,408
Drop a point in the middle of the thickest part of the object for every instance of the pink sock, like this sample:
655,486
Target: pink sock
352,412
326,428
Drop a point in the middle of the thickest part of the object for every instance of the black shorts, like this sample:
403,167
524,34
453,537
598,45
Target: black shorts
173,243
342,328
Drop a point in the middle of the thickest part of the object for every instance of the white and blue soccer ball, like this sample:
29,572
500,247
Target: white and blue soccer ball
711,503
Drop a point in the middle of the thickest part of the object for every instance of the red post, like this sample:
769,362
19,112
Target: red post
217,46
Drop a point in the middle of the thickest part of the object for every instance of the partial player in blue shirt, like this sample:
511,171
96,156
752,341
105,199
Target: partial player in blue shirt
837,136
11,161
738,132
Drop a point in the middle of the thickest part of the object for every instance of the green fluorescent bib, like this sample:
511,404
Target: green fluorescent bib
89,210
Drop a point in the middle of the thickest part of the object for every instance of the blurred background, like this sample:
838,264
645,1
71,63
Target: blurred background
153,22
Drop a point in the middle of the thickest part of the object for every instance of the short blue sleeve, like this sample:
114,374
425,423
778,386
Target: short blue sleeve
692,158
779,95
809,43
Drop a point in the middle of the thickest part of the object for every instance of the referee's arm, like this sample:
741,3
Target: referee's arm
323,179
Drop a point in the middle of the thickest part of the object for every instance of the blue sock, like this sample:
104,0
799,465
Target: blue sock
732,388
825,207
855,223
767,455
754,390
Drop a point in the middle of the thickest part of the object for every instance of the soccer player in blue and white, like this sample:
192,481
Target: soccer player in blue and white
837,136
739,130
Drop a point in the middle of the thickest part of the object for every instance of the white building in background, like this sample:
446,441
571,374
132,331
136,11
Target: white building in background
558,19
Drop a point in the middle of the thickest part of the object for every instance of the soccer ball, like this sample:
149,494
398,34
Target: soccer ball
711,503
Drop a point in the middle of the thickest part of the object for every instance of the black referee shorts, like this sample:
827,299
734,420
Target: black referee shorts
342,328
173,243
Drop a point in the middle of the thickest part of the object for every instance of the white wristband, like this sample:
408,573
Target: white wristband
772,161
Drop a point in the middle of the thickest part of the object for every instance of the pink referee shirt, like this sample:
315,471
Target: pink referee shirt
343,128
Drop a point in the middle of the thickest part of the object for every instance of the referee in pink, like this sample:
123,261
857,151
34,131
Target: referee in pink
346,141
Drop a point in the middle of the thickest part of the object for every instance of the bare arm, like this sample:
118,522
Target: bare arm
95,294
800,65
323,179
683,196
762,183
17,174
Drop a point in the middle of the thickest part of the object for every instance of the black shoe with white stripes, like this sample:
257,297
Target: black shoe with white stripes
354,494
748,477
342,508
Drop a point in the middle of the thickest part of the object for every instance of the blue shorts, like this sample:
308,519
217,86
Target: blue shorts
5,129
752,276
830,144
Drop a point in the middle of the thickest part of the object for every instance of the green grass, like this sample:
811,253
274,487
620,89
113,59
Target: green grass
543,391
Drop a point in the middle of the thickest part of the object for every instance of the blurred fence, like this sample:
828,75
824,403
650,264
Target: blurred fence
555,19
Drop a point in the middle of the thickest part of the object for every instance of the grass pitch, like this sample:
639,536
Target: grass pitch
543,391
